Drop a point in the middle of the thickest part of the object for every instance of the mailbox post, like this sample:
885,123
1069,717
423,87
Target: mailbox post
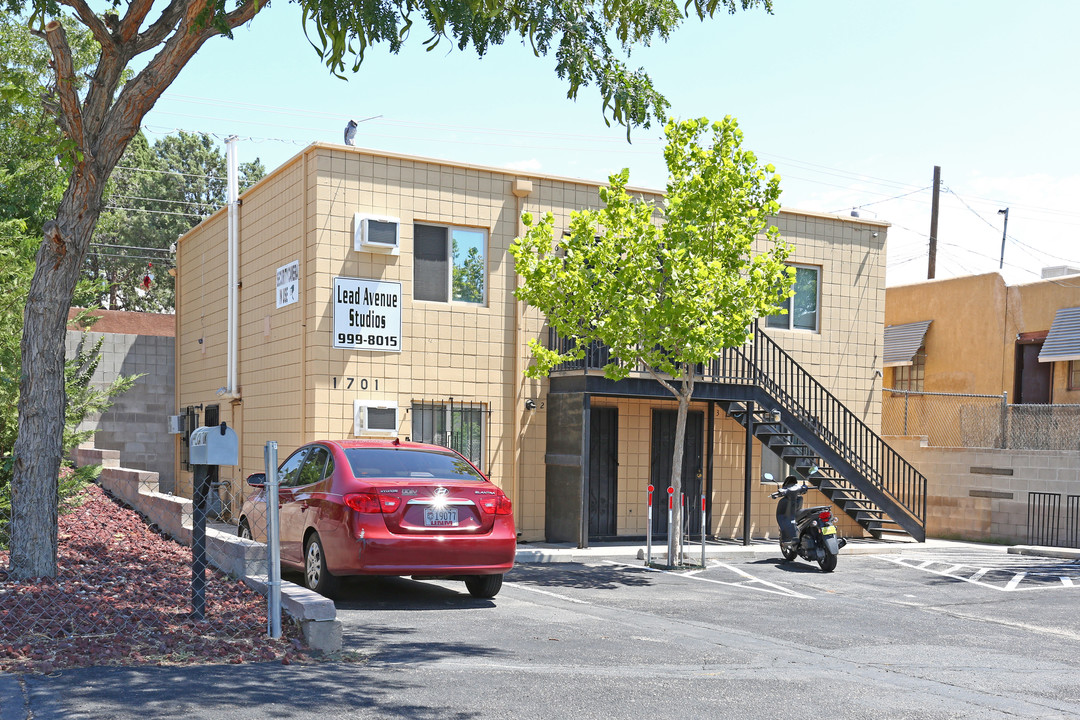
208,446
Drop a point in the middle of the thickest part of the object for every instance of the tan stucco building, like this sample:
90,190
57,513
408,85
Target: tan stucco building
374,295
985,337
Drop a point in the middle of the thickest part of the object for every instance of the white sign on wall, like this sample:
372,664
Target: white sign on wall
288,284
367,314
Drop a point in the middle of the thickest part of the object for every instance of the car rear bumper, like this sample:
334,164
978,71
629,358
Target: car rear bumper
381,552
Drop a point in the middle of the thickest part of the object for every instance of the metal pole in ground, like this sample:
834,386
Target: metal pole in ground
648,531
702,531
198,541
683,527
273,560
670,513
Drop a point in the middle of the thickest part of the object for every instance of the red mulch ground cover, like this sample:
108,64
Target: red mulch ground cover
122,596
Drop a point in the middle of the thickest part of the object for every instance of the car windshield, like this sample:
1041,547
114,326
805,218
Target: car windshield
406,464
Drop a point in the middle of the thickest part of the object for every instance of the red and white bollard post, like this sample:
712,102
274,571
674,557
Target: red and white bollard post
648,531
670,518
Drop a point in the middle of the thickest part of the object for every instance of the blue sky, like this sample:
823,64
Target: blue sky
854,102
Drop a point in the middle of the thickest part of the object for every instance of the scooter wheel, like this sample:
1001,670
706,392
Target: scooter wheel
827,561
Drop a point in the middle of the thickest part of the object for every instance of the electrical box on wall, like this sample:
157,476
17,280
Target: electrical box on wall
375,417
176,425
376,233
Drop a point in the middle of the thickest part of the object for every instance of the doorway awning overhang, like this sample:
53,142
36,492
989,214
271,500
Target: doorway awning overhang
903,341
1063,341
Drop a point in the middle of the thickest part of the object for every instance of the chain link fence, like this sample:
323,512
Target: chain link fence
979,421
122,593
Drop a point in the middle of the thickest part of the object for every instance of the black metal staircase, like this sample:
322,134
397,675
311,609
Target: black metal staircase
806,425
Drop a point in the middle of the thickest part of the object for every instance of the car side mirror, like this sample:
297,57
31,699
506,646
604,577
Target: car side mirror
256,480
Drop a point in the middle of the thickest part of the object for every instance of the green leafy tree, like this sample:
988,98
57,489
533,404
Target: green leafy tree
157,193
97,121
664,287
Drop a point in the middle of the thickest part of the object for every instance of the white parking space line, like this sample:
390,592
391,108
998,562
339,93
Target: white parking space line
751,583
1011,585
953,569
926,564
567,598
979,574
1066,581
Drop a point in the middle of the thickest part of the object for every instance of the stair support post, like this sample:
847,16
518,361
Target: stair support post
749,471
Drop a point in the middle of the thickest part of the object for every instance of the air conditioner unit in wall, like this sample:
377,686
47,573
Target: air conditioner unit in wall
375,417
376,233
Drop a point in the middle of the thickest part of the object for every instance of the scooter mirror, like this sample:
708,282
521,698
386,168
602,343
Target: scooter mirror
768,477
813,469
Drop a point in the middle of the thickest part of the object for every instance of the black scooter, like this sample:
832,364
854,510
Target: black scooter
809,533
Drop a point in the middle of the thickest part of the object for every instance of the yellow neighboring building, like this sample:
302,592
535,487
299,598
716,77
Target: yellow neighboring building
977,335
373,295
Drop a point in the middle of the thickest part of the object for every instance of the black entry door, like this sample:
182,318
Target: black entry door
663,445
603,471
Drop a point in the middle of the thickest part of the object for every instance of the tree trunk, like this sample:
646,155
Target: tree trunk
42,396
675,544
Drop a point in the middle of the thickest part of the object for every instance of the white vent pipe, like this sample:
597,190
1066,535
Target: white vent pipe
233,260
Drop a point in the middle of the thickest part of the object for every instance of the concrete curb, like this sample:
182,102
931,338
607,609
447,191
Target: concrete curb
1050,552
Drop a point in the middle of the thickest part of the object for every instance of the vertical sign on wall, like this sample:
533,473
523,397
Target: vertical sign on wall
288,284
367,314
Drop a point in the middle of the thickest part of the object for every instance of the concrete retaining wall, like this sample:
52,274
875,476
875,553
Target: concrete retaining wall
982,494
239,558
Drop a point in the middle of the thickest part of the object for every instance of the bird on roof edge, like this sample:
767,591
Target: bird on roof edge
350,133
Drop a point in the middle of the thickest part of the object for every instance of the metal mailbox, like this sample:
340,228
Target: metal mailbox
214,446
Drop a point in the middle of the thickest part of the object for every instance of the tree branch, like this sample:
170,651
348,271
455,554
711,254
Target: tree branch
140,94
133,19
70,115
165,24
94,23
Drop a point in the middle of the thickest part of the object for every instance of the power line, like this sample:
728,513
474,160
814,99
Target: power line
156,212
132,247
163,200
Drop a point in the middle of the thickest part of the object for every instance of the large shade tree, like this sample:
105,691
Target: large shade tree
664,286
590,39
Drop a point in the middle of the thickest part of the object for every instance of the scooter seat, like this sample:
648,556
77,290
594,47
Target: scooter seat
807,512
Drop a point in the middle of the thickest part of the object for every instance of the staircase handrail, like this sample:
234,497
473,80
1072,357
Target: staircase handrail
802,395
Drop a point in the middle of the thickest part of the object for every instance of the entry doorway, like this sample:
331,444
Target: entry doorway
663,446
603,471
1034,379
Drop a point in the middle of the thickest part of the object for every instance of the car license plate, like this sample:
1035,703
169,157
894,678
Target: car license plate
828,530
446,517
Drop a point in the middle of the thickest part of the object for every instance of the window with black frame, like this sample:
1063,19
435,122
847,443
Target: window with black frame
458,426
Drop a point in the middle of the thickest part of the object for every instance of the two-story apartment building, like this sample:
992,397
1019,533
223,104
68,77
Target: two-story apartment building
372,293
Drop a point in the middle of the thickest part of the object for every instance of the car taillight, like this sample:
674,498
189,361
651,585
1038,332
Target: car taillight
498,504
389,503
364,502
825,515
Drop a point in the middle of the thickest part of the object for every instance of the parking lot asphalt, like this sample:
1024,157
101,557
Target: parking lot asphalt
935,631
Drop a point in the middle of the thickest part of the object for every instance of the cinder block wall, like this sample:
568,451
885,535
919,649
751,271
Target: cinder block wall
982,494
137,423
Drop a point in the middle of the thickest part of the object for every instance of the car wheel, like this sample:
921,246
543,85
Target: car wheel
242,530
484,586
316,576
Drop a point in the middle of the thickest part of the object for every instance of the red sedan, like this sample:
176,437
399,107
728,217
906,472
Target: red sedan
386,507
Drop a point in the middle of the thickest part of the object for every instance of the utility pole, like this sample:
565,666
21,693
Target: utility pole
1004,230
931,268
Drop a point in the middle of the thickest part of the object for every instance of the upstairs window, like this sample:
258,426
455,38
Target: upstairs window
449,263
1074,374
803,308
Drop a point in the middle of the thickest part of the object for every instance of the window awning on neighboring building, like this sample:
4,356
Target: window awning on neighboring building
1063,342
903,341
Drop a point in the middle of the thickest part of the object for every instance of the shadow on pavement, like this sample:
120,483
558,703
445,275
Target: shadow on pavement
575,575
315,691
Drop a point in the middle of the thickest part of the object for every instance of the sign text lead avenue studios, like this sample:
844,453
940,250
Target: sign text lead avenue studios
367,314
